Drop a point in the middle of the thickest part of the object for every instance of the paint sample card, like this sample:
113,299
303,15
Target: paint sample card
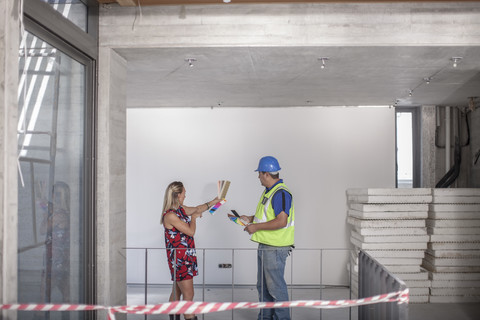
216,206
223,186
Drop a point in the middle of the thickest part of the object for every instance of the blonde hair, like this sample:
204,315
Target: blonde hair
170,200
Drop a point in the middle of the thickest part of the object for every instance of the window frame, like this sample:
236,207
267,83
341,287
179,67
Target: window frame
416,144
45,22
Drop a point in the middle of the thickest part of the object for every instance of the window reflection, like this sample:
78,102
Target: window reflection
74,10
51,263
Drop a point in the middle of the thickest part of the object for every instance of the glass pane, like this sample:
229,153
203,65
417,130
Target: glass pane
74,10
404,150
51,218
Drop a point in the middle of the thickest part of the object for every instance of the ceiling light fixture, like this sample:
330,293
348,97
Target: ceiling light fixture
427,80
190,61
410,93
226,1
323,59
455,61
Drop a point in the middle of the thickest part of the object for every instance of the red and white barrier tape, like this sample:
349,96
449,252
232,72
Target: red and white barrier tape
193,307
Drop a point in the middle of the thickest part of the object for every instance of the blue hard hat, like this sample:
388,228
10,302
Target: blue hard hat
268,164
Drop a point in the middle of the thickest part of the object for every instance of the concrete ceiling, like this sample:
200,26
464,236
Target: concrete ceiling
292,76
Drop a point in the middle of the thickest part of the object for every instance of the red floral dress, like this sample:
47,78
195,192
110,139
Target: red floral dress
186,255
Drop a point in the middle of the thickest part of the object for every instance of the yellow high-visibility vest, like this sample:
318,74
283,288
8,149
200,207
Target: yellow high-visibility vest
281,237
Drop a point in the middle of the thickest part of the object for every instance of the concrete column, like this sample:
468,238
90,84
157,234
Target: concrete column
9,44
111,179
427,146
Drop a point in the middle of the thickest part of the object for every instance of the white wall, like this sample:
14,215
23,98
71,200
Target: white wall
322,152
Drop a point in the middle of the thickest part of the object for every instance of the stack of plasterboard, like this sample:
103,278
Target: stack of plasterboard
389,224
453,254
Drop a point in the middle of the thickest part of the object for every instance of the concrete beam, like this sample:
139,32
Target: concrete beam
293,24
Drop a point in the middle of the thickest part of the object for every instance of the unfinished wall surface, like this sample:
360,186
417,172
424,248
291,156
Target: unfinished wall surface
9,43
111,180
322,152
427,146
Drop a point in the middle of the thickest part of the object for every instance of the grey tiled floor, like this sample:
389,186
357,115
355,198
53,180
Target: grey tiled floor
159,294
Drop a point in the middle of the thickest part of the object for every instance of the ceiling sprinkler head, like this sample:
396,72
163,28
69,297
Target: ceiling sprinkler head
190,61
323,60
456,60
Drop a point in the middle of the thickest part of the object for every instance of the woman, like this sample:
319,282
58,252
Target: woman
179,222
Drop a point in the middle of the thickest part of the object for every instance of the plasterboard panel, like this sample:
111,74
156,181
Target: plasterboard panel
396,253
463,276
456,199
455,283
400,261
454,215
401,268
389,246
446,262
376,215
390,239
457,207
454,253
433,268
454,299
418,283
451,223
419,299
422,275
454,237
408,207
453,245
391,223
450,192
453,231
390,231
455,291
388,199
390,191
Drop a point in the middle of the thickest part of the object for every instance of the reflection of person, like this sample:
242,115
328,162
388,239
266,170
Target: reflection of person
56,226
272,227
179,222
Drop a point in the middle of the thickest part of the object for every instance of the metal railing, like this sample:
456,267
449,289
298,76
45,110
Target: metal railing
313,262
375,279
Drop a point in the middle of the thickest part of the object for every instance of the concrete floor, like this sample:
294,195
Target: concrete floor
159,294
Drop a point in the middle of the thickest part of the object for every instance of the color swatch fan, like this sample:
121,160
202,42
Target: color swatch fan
223,186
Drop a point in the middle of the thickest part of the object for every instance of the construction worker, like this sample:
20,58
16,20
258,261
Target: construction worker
272,227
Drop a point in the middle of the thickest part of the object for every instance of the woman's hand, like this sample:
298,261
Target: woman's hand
214,201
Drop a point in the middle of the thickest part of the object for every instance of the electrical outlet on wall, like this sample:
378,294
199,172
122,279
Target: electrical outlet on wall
225,265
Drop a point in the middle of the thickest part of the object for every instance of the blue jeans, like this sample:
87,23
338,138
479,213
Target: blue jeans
271,283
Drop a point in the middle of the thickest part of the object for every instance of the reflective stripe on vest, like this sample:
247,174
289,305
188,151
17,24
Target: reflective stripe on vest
280,237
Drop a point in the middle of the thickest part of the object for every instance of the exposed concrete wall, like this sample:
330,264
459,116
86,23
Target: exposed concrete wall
427,146
111,179
330,24
9,43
